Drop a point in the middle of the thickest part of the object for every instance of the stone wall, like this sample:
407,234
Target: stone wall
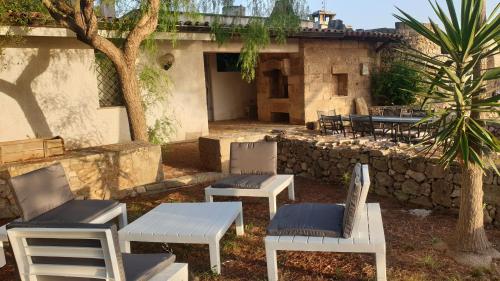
326,64
394,172
290,66
105,172
215,150
416,40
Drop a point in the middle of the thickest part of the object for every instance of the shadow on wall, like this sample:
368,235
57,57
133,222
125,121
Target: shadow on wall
55,91
22,92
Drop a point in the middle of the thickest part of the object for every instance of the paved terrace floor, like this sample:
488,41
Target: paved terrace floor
240,127
181,159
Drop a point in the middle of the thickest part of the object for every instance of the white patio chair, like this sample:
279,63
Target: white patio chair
253,168
58,251
355,227
44,195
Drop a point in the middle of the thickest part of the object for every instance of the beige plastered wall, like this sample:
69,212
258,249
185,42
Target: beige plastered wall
231,94
48,87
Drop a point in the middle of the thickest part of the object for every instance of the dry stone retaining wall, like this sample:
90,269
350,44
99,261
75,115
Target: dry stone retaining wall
105,172
395,173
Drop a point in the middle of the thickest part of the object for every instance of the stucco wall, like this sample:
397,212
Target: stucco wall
323,59
48,87
231,94
185,103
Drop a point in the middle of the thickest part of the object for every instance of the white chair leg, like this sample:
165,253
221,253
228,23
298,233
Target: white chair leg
214,249
240,226
381,266
122,219
291,191
272,264
125,246
2,255
272,206
208,197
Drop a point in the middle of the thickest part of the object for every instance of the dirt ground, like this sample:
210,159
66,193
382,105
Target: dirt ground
414,245
181,159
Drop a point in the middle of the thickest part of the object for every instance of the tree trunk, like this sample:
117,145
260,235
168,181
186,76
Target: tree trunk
130,89
470,227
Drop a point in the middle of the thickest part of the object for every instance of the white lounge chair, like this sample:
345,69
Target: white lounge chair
44,195
56,252
355,227
253,168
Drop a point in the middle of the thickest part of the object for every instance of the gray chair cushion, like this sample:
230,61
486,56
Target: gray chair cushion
320,220
141,267
356,198
245,181
77,211
253,158
41,190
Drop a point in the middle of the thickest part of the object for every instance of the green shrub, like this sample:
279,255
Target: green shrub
395,84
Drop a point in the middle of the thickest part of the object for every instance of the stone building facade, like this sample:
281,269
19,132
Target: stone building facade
324,75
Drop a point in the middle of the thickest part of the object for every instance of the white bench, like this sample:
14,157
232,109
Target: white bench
270,191
119,212
367,238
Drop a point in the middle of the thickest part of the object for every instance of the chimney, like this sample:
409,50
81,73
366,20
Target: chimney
236,11
108,9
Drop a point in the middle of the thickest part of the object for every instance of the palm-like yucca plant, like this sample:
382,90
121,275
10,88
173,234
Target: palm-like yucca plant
455,80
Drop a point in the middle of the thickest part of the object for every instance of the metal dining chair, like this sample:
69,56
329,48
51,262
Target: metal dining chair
362,125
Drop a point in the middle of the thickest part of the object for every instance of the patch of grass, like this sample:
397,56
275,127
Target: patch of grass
479,272
429,262
339,274
435,240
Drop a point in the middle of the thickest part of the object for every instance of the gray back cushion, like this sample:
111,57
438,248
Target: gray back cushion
41,190
253,158
356,198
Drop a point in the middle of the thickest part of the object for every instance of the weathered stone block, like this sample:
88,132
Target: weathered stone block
399,165
435,171
441,191
383,179
380,164
419,177
422,201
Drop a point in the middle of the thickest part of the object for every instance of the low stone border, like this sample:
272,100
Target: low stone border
394,172
169,184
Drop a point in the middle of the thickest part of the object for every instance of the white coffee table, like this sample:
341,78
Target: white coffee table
186,223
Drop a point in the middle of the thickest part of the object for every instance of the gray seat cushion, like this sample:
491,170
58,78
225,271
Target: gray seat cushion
141,267
77,211
245,181
310,219
253,158
41,190
356,198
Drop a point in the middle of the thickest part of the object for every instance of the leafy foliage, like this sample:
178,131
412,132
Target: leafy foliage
396,84
451,79
258,32
15,12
